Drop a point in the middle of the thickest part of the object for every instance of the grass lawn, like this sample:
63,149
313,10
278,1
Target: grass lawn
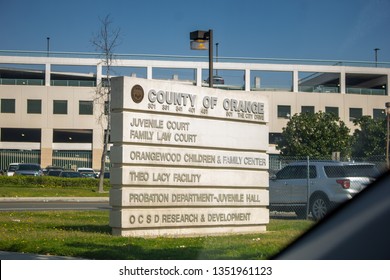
86,234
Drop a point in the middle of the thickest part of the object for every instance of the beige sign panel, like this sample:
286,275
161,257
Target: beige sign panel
186,100
168,176
187,217
189,132
178,157
164,197
187,160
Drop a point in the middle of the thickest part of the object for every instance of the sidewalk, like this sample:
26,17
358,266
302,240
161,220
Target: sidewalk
27,256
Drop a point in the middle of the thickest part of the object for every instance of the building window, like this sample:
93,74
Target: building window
378,114
332,110
307,109
86,107
72,135
21,135
34,106
274,137
284,111
60,107
8,105
355,113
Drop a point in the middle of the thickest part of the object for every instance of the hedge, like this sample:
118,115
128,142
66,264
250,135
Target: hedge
50,181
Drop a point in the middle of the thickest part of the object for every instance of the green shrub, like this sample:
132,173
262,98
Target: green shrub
50,181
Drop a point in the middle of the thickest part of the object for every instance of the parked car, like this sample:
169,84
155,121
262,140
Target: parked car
86,170
217,80
358,230
329,182
361,169
88,175
11,169
106,174
30,169
54,172
70,174
50,168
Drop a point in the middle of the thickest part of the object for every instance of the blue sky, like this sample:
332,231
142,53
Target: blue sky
299,29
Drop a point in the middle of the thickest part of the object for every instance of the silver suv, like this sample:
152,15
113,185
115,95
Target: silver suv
30,169
321,186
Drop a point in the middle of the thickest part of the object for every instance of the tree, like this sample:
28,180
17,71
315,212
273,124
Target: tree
105,42
315,135
370,138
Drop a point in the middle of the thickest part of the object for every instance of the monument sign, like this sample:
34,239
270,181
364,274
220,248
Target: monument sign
187,160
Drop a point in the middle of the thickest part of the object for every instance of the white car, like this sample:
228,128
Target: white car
11,169
85,169
87,172
321,187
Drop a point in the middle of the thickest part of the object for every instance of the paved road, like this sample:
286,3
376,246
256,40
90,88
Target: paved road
54,203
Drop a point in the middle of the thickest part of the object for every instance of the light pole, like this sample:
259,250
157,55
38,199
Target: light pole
203,40
376,56
216,57
387,133
210,37
48,45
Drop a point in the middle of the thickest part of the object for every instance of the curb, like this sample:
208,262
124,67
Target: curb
55,199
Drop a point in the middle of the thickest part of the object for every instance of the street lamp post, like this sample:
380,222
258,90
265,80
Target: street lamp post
48,45
387,133
203,40
216,57
376,56
210,37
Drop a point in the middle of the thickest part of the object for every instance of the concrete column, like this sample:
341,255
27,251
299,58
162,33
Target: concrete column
99,70
149,73
343,82
388,85
295,81
257,82
247,80
97,147
199,77
46,147
47,74
96,158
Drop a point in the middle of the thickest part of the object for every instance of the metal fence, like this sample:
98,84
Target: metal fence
72,159
18,156
69,159
310,187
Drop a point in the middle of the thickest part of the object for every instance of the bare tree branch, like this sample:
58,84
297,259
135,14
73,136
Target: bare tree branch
105,42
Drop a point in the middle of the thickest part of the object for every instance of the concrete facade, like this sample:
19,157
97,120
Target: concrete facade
13,87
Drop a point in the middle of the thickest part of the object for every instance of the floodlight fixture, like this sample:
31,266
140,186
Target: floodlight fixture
203,40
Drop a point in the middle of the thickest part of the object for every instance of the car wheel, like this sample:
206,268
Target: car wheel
319,206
